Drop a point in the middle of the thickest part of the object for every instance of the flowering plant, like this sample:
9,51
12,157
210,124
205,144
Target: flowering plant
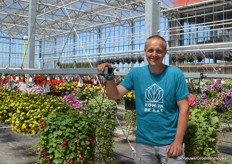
127,60
129,96
201,137
103,117
228,57
173,58
78,105
200,57
71,142
39,80
190,58
181,58
117,60
140,59
26,110
63,87
88,91
134,59
53,85
36,89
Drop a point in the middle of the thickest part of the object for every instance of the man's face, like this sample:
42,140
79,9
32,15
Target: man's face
154,52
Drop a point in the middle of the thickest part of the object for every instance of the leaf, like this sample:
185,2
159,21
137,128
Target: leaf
214,120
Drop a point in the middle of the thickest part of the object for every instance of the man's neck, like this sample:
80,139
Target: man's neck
157,69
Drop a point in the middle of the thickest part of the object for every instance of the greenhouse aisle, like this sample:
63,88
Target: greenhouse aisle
15,148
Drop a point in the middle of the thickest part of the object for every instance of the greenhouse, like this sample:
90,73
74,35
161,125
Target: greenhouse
53,95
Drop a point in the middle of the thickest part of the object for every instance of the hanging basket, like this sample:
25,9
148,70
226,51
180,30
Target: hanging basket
130,105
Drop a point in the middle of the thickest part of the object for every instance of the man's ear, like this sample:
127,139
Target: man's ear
165,53
145,51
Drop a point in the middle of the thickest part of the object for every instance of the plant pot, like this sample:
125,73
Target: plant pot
199,60
190,60
130,105
219,110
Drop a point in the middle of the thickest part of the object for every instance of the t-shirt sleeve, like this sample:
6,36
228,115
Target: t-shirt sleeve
181,88
128,81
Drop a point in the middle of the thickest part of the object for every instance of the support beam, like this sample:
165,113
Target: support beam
31,33
152,19
9,51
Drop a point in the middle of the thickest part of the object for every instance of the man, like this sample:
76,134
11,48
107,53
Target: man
162,107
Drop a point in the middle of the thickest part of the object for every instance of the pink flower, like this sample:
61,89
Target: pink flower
69,161
46,158
64,144
89,143
90,138
49,162
64,139
36,151
80,157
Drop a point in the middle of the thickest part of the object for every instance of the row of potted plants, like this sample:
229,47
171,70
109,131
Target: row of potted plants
191,57
123,60
186,57
116,60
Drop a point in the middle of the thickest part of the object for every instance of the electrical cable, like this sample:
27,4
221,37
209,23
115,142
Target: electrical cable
90,62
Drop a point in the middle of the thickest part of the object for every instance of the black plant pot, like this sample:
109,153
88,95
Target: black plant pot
219,110
130,105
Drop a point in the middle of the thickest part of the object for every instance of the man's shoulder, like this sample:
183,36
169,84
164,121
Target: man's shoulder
139,69
173,69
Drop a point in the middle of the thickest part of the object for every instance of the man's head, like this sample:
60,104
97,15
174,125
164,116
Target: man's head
157,37
155,50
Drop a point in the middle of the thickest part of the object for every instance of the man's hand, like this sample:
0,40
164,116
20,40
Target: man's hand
175,149
101,67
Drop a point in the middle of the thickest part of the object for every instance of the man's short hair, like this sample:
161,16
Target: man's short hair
157,37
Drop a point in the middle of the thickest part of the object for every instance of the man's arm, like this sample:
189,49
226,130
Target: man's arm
113,92
175,149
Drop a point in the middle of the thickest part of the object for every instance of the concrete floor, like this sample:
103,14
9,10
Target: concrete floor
14,148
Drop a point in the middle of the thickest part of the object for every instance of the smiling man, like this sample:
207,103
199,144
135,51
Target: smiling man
162,107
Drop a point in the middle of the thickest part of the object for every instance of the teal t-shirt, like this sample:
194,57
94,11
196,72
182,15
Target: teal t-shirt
156,99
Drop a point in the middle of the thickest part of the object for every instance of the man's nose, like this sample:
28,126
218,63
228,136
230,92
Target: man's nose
154,53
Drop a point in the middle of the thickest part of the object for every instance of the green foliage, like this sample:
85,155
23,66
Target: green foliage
102,111
66,137
78,65
228,84
130,118
201,137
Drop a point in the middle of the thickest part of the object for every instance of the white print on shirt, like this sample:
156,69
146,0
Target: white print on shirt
154,99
